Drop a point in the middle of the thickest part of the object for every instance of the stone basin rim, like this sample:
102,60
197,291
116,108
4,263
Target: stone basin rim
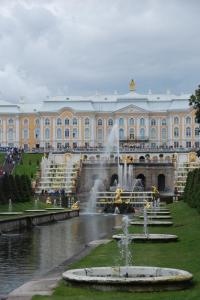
77,275
150,236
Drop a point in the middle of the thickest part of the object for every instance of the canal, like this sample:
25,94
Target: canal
31,253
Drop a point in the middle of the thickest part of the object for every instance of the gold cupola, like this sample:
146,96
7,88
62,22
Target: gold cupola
132,85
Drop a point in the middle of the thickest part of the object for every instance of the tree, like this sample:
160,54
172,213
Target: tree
194,101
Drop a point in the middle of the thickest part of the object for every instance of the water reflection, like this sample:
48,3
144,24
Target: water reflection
31,253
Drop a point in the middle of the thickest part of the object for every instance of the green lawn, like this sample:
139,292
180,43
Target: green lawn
184,254
2,158
30,164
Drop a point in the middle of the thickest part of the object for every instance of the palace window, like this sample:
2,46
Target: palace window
131,122
188,132
153,122
164,134
110,122
197,131
10,134
153,133
87,133
131,133
47,122
142,133
47,133
176,144
25,133
121,122
176,132
121,134
196,120
59,133
59,121
164,122
10,122
142,122
100,134
188,144
100,122
37,133
176,120
75,121
37,122
196,144
67,122
25,122
75,133
87,121
188,120
67,133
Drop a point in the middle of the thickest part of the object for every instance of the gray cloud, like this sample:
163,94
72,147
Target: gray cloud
78,47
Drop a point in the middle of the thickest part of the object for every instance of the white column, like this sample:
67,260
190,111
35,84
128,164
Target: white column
54,132
169,125
92,128
80,137
183,127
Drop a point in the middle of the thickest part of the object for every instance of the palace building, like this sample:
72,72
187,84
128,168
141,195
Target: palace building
149,120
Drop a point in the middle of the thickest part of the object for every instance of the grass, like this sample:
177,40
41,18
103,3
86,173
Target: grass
2,159
183,254
29,166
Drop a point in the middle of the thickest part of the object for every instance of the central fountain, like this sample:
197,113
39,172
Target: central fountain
128,277
10,211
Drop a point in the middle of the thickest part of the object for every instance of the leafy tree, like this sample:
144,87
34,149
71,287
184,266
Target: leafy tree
194,101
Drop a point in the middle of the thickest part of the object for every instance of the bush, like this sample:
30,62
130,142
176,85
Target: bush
192,189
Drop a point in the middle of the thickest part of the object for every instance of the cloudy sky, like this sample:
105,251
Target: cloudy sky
65,47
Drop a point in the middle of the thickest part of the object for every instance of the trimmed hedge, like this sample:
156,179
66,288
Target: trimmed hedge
191,193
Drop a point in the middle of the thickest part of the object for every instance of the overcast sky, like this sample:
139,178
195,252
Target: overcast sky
65,47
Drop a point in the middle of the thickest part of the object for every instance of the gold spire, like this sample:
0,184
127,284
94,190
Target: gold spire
132,85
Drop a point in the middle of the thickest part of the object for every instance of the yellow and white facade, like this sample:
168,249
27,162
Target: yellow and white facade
151,120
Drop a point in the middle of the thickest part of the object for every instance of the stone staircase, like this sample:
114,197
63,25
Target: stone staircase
181,174
59,173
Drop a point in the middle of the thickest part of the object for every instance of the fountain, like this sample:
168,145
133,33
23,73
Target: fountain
35,209
10,211
129,278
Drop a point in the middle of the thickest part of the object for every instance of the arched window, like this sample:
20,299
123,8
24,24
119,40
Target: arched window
10,122
75,133
121,122
87,133
164,134
100,122
25,134
59,133
10,134
176,132
131,122
110,122
25,122
66,121
59,121
153,122
142,133
131,133
47,122
37,122
67,133
164,122
87,121
47,133
196,120
75,121
142,122
153,133
176,120
188,120
121,134
37,133
188,132
197,131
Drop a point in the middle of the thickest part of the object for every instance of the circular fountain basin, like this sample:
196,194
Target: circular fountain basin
152,223
131,278
11,213
156,217
34,210
154,237
55,208
157,209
